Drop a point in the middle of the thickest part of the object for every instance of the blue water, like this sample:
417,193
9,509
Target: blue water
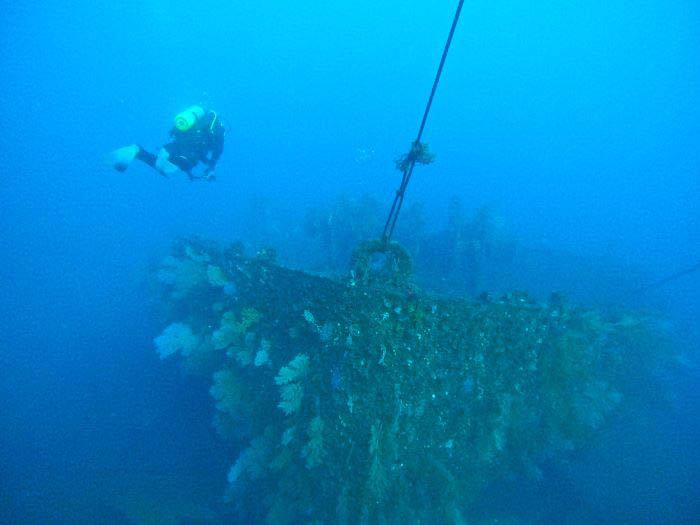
578,123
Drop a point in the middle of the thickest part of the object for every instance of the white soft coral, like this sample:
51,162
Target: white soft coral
181,275
177,337
288,379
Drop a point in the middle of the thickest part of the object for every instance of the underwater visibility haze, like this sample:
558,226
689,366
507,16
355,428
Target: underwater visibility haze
245,350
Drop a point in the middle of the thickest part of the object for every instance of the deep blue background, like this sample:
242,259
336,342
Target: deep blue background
578,122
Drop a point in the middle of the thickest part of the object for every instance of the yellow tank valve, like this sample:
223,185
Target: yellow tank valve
186,119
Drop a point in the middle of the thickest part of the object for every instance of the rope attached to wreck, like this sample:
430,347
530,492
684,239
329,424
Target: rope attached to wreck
419,152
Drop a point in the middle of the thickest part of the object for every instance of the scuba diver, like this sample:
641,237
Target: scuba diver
197,136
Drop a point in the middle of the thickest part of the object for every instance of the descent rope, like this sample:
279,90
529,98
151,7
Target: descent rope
418,152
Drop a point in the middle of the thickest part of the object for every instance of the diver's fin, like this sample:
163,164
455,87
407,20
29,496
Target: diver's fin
120,158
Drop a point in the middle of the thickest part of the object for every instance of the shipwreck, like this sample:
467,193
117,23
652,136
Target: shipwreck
368,400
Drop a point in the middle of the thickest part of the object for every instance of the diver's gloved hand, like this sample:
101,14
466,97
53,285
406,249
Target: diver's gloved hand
120,158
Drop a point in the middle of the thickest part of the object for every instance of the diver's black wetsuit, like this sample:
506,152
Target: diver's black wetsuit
203,142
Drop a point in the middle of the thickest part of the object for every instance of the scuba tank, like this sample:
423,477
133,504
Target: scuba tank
187,118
